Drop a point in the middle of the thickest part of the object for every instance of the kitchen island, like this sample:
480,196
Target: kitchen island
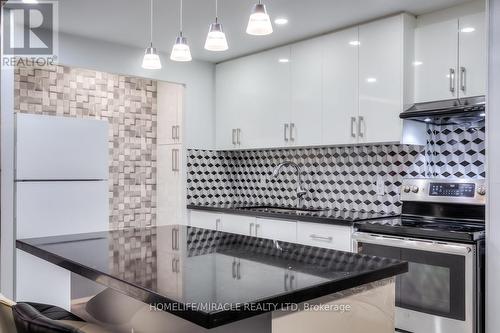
187,279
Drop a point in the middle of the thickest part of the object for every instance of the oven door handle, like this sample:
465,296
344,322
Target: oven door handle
413,243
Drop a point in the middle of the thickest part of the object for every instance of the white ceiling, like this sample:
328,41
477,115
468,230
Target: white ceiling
127,21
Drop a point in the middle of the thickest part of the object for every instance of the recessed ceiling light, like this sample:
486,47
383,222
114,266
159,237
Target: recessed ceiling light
468,29
281,21
417,63
283,60
371,80
354,42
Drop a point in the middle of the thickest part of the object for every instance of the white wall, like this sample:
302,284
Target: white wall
198,76
493,165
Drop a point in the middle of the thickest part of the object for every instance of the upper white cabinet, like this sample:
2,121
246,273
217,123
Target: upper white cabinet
385,56
340,86
450,58
253,100
472,55
346,87
306,80
170,98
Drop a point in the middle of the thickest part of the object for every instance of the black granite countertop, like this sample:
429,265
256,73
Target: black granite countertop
224,277
327,216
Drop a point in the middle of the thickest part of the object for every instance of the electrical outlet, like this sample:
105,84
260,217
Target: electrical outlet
380,185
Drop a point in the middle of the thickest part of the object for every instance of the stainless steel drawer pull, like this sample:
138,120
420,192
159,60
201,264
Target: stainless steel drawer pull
251,227
353,123
292,128
257,226
285,281
233,269
238,136
451,76
233,136
285,132
462,78
360,126
238,271
173,132
322,238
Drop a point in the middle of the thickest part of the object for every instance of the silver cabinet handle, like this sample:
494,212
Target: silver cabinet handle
238,136
173,160
452,80
173,238
353,123
292,128
321,238
285,282
290,283
251,227
217,224
285,132
257,226
177,132
173,132
233,269
233,137
361,119
463,77
238,271
173,265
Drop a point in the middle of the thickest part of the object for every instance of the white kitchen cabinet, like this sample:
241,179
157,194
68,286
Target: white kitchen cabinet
384,59
170,208
169,111
450,58
282,230
253,100
340,87
206,220
472,53
306,93
327,236
435,61
238,224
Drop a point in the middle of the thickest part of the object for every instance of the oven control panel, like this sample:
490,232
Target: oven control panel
465,191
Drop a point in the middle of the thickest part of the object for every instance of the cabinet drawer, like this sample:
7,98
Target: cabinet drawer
237,224
276,229
327,236
204,220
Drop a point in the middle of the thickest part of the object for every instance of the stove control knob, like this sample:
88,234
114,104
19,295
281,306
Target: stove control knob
406,189
481,190
414,189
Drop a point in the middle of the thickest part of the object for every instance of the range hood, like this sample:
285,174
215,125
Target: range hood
448,112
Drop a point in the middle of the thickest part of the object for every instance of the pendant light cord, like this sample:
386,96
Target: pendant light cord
180,20
216,10
151,20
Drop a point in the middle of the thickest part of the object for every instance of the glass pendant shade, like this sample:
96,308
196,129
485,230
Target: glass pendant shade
216,38
259,23
180,50
151,58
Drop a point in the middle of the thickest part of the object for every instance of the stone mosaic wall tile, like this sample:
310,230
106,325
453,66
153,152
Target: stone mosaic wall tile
128,104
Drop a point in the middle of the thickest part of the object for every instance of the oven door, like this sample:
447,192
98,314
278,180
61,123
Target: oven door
437,293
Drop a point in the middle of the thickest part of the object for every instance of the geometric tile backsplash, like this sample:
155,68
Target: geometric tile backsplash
337,177
128,104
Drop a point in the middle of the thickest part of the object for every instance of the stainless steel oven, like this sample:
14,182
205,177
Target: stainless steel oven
441,235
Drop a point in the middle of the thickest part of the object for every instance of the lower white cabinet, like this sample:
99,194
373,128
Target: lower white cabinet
205,220
328,236
282,230
334,237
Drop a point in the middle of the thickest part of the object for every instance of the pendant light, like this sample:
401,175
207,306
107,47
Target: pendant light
259,23
180,50
151,58
216,38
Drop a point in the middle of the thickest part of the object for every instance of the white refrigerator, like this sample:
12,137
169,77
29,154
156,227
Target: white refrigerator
61,186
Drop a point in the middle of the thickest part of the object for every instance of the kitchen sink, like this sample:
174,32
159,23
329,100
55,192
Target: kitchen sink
274,209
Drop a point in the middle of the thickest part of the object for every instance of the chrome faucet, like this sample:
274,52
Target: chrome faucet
300,190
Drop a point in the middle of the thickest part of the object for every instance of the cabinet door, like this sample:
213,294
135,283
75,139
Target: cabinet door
230,101
472,55
340,87
169,97
381,80
237,224
204,220
169,184
267,109
436,45
276,229
306,68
